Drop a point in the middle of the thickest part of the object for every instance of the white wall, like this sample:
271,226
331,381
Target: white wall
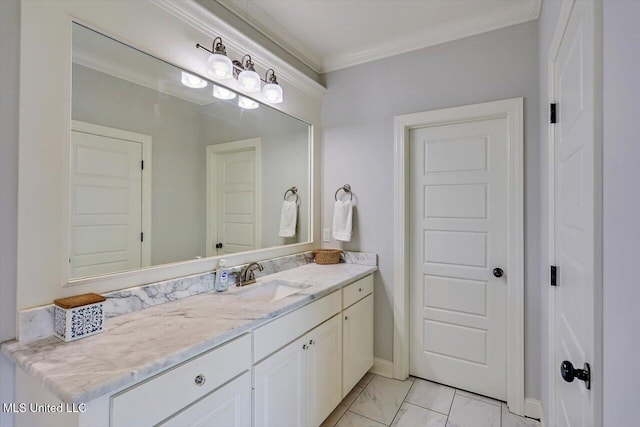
621,90
357,138
546,27
9,78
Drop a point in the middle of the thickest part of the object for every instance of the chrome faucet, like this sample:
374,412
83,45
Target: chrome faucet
247,276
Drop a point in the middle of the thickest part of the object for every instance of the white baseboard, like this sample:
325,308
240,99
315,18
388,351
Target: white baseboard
382,367
533,409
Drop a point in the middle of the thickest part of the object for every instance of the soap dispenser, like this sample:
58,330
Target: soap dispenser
222,277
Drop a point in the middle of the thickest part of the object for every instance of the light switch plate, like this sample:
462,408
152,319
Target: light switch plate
326,235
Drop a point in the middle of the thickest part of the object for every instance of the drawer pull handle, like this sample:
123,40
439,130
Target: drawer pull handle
200,380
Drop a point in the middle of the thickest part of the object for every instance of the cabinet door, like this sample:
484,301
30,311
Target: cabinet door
226,407
280,396
324,370
358,342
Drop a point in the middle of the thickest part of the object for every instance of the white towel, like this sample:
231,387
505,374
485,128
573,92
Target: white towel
288,219
342,219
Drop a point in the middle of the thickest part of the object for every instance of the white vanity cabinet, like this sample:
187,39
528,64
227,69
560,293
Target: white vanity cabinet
357,332
301,384
208,390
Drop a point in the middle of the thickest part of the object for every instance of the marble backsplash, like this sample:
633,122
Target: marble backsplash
38,322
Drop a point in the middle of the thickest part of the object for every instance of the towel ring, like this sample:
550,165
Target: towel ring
346,188
294,191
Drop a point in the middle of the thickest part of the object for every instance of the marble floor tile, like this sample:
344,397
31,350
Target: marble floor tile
381,399
430,395
412,416
513,420
365,380
466,412
337,413
478,397
349,419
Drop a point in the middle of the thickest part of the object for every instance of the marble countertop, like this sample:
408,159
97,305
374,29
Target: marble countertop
137,345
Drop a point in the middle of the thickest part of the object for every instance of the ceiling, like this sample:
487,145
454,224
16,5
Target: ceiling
331,34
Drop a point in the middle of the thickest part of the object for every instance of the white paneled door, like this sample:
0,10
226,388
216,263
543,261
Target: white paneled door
459,236
105,204
233,197
576,211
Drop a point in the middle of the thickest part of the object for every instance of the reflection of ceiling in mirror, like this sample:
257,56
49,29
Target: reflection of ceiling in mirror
98,52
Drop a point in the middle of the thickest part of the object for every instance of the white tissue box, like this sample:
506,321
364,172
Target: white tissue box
77,322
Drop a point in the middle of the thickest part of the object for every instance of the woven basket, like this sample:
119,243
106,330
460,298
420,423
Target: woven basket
327,256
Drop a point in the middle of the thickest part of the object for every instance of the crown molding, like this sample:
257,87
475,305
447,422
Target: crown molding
263,22
202,19
515,13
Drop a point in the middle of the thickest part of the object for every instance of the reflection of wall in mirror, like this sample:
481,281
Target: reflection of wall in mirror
180,131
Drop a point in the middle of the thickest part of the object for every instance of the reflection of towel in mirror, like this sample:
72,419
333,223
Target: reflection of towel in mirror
288,219
342,219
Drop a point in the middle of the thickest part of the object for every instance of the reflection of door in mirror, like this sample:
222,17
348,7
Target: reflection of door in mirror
106,195
233,196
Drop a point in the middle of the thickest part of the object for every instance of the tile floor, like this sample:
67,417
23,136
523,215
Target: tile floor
378,401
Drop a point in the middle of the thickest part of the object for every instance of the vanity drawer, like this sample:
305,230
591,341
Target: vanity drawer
357,290
287,328
165,394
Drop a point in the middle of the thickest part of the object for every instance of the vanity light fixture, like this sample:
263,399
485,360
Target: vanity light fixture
221,92
249,81
272,92
219,63
195,82
247,104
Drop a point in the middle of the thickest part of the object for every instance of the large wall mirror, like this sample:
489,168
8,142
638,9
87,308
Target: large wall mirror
161,171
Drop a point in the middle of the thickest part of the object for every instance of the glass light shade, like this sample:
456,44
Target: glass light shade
247,104
249,81
272,93
189,80
220,66
223,93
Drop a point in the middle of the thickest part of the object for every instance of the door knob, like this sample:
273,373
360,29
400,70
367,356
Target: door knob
218,245
498,272
569,373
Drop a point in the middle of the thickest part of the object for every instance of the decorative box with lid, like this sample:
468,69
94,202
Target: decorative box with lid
79,316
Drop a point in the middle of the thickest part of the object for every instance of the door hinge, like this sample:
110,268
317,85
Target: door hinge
553,115
142,237
142,164
553,278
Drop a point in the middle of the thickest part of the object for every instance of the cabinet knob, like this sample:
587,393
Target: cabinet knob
200,380
359,289
304,346
346,317
311,342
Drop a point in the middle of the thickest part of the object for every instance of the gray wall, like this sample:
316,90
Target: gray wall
9,78
357,147
621,50
546,27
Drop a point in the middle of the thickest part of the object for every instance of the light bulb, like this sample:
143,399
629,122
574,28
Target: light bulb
220,66
223,93
272,93
192,81
249,81
247,104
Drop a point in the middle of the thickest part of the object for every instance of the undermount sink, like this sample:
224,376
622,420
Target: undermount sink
273,290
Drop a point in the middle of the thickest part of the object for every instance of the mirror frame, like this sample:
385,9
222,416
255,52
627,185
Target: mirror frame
168,31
